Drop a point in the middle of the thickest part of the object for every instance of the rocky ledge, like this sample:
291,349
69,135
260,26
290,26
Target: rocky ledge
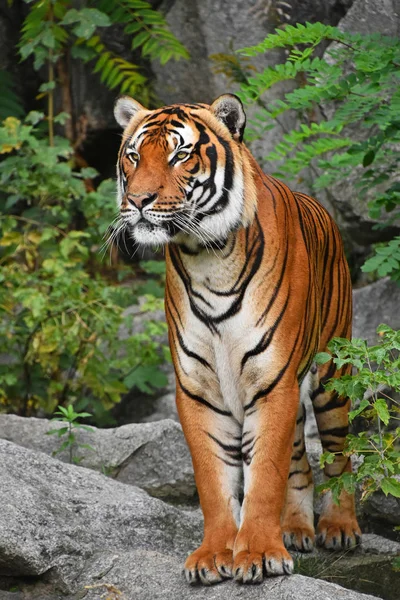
69,532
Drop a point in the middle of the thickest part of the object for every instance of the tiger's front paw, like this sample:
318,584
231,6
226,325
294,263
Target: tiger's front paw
209,566
250,567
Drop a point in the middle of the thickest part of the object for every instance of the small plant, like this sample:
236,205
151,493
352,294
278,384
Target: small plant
71,444
377,371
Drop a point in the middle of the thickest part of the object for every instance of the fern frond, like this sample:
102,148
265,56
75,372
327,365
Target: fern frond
10,103
115,72
148,28
291,35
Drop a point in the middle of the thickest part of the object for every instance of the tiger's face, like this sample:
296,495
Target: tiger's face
182,172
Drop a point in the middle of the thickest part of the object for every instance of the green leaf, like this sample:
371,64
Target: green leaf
326,458
87,447
84,29
59,432
34,117
62,118
88,173
391,486
354,413
382,410
98,17
322,357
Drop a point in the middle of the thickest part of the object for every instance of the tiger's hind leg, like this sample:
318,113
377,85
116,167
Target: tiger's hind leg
337,527
298,513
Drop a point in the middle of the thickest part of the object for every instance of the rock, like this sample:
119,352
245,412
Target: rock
164,407
198,25
376,544
383,508
369,16
372,574
375,304
56,517
152,456
151,576
77,534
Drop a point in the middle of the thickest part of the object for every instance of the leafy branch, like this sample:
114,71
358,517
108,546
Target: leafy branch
377,370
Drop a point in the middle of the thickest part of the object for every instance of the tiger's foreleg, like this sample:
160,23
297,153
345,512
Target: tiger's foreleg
214,440
337,527
268,433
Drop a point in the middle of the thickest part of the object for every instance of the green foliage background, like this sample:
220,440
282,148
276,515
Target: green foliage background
346,102
61,304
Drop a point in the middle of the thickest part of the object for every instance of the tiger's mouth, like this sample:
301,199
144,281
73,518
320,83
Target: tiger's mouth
147,233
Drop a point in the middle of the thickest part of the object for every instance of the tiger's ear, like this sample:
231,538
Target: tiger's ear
125,108
229,110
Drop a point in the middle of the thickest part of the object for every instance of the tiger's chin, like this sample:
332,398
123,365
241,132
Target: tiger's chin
148,234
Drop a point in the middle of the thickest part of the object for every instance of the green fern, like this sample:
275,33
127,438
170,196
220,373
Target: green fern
355,86
115,72
310,33
147,27
10,103
53,25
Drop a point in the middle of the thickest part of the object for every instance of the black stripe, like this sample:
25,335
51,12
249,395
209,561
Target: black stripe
274,383
234,451
300,472
335,431
266,338
201,400
185,349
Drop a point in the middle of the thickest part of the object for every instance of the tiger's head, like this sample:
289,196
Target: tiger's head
184,174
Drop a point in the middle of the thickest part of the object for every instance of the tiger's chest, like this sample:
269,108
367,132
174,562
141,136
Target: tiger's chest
218,349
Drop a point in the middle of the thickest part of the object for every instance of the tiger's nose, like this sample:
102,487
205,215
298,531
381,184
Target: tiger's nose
141,200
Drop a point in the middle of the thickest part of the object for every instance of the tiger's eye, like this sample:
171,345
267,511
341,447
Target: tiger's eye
181,155
133,157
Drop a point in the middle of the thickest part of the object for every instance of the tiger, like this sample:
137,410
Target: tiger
257,284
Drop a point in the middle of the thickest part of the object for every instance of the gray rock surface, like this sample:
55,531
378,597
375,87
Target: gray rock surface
383,508
369,16
164,407
374,304
157,577
210,27
377,544
56,516
152,456
149,575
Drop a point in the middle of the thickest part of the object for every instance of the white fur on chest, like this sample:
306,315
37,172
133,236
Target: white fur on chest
229,385
238,336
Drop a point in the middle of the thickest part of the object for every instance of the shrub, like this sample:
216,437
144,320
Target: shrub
60,309
376,374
